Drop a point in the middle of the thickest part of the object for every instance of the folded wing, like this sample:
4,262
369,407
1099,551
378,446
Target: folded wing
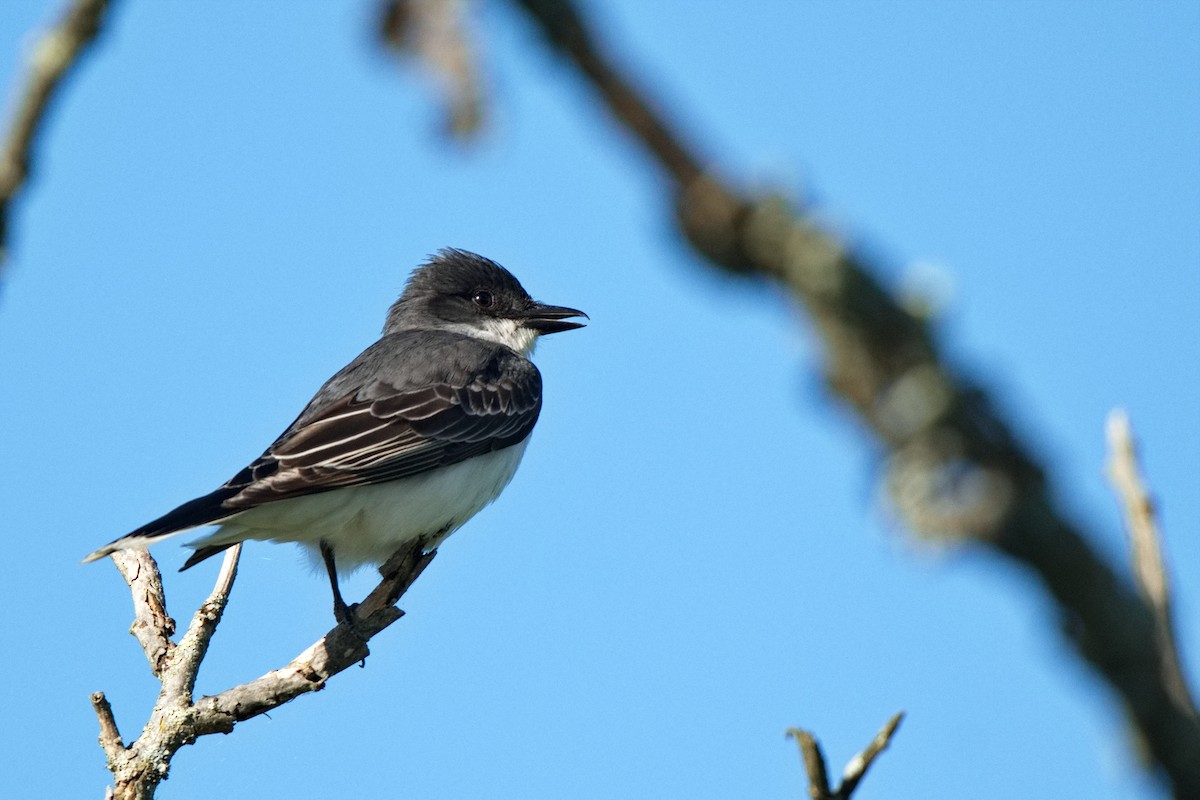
381,433
370,424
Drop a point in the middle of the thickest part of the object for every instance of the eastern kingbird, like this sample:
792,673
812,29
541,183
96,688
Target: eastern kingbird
408,441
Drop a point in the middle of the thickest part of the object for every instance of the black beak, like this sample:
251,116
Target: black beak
551,319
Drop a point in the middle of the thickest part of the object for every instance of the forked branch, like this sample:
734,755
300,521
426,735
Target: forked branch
177,720
856,768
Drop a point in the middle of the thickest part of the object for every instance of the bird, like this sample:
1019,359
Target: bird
407,442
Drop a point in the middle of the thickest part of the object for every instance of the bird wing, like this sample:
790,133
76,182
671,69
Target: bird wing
411,402
382,433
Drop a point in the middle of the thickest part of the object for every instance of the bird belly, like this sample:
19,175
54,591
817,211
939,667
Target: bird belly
367,524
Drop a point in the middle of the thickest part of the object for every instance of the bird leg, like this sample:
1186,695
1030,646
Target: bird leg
343,613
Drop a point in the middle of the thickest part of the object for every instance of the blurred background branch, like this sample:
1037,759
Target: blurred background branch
956,470
856,768
434,31
52,58
1146,550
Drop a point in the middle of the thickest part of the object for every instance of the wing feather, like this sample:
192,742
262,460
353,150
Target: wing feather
379,432
414,401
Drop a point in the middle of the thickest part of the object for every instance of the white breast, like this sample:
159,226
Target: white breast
367,524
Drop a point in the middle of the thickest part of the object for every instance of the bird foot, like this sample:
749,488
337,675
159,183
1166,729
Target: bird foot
347,617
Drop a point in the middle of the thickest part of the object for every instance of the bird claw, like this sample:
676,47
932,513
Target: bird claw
347,618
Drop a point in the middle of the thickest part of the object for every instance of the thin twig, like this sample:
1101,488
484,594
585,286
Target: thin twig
814,763
110,736
856,768
956,469
58,50
1145,544
185,665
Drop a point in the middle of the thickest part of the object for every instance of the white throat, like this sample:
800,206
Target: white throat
508,332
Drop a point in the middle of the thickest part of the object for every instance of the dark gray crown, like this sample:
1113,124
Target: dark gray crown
443,287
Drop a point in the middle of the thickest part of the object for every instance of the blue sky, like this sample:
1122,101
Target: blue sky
694,555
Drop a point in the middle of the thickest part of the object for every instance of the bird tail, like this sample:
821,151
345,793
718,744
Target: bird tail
204,510
203,553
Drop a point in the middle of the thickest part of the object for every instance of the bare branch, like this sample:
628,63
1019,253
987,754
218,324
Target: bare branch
1144,538
151,625
1145,541
814,763
140,767
436,32
956,469
180,679
564,26
338,650
58,50
110,737
856,768
176,720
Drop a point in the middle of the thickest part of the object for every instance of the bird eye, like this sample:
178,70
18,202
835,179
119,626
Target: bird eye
483,298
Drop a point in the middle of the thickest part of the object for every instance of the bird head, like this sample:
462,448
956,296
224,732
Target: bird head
469,294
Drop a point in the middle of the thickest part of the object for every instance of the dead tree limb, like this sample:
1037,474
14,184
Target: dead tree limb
177,720
955,467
